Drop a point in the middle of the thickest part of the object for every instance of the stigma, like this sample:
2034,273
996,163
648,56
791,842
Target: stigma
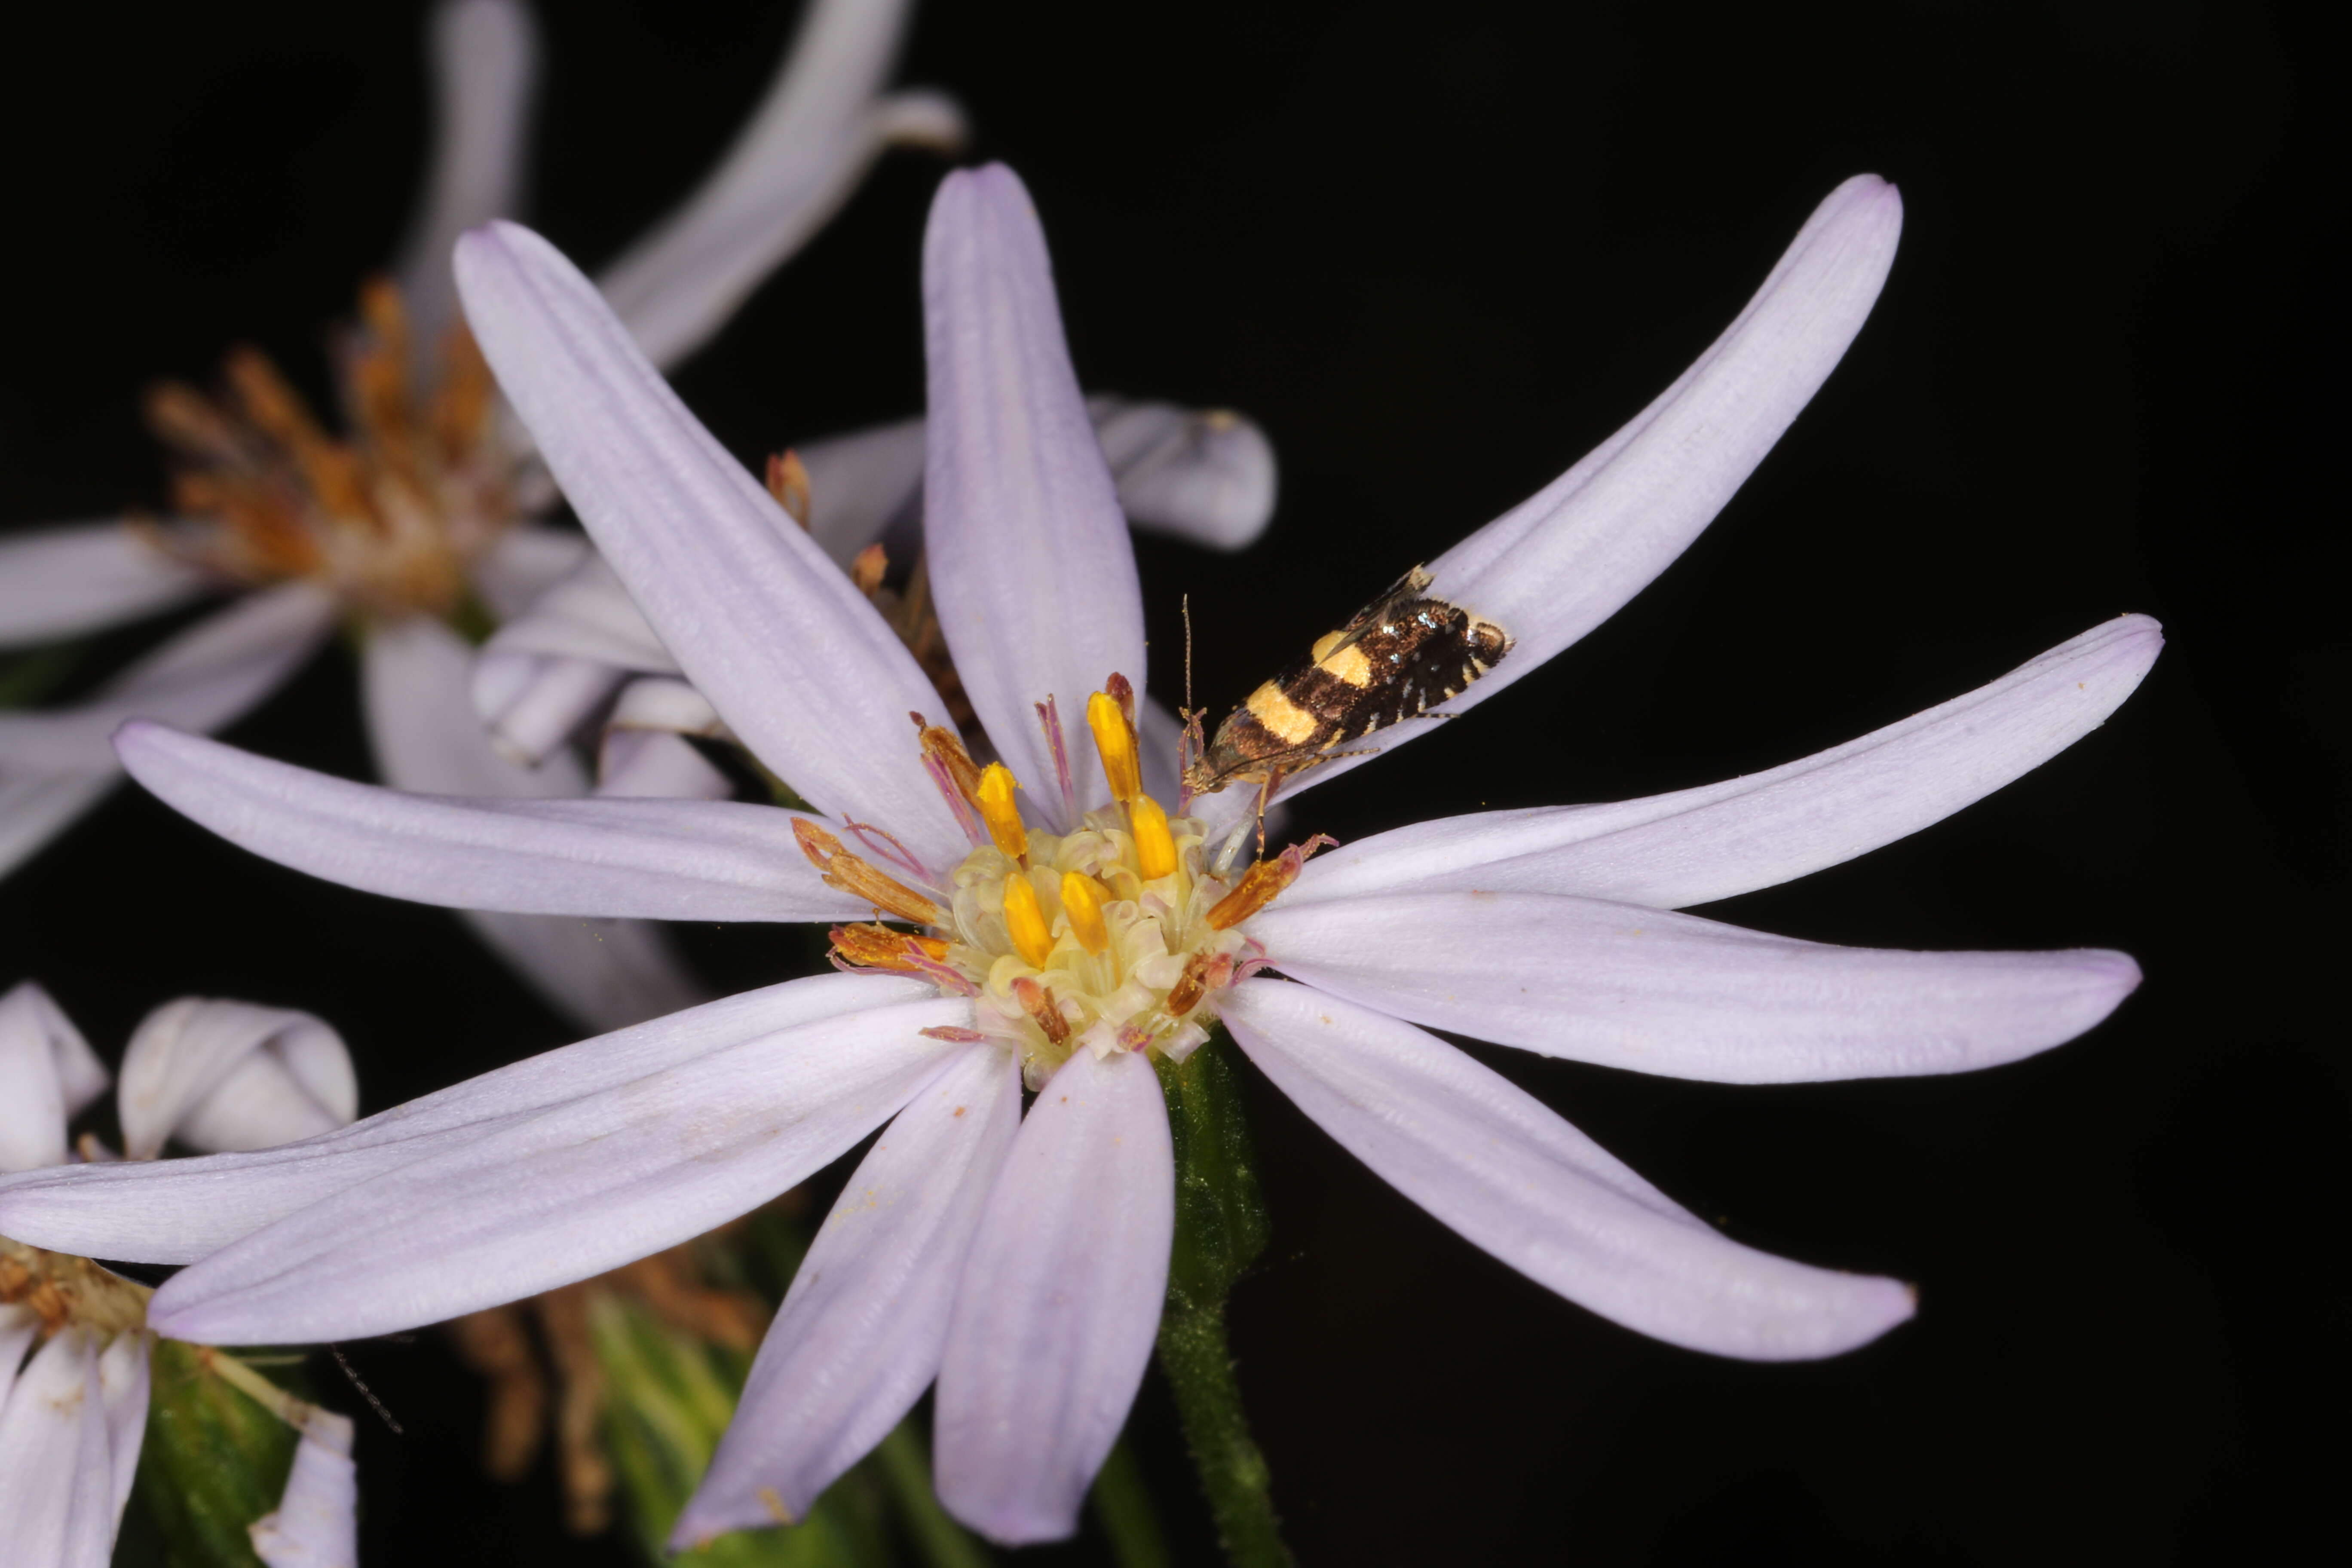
1115,936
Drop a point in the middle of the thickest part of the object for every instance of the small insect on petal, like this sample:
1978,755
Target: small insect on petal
1114,739
1155,850
842,870
1082,902
1024,920
995,797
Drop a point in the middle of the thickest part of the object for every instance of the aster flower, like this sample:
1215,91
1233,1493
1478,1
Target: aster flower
418,523
1074,933
74,1345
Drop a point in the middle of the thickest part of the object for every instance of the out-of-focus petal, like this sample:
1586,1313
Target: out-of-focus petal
1203,474
859,1336
1697,845
1059,1303
534,702
578,1189
48,1075
485,79
587,614
525,562
1652,991
57,1463
1566,559
60,582
175,1211
124,1387
34,811
202,680
795,162
316,1524
656,859
224,1077
1030,564
803,667
1490,1161
654,764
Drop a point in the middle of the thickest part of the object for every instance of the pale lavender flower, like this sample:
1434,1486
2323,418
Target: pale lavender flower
1021,1261
452,525
316,1524
74,1373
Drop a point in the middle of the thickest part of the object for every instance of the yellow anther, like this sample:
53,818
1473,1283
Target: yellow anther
994,798
788,481
1155,851
1024,920
840,868
1082,902
1114,739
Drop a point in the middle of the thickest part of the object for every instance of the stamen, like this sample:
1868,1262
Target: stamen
995,797
1155,850
1114,739
867,569
788,481
1025,922
867,833
944,745
1049,719
951,1032
1082,902
846,871
1037,1001
1263,882
956,801
1204,973
869,946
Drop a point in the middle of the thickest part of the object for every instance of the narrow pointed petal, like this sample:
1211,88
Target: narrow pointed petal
1206,474
860,1334
602,973
485,82
225,1077
1694,846
48,1075
81,577
785,647
57,1463
572,1192
655,859
797,159
1494,1163
1059,1303
1570,556
316,1524
177,1211
124,1388
205,678
1030,560
1652,991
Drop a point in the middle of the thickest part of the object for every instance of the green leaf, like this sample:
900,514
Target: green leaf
214,1461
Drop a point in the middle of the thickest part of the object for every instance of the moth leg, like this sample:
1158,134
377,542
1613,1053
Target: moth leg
1265,799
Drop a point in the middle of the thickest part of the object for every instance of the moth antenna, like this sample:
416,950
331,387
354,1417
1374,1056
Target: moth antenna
1186,603
365,1391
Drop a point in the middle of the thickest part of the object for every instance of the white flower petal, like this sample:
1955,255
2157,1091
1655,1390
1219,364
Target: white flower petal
587,614
1566,559
1670,852
1030,564
525,562
1652,991
656,859
57,1463
1206,474
229,1076
177,1211
34,811
316,1524
202,680
1059,1303
600,973
1489,1160
485,79
654,764
794,162
533,703
60,582
48,1075
570,1192
803,667
124,1386
860,1334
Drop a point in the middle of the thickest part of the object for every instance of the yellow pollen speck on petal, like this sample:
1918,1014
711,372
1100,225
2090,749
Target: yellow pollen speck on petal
1114,739
1025,922
1082,902
773,1502
1155,851
994,798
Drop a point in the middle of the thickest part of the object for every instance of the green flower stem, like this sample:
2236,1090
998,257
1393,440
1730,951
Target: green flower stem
1124,1509
1221,1227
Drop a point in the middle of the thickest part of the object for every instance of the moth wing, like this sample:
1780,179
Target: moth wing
1403,591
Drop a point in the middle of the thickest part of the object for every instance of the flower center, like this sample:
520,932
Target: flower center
1114,936
63,1290
388,518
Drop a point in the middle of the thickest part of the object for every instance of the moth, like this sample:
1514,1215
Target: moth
1402,654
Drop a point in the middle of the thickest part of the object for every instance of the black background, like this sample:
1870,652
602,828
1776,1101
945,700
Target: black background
1438,251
